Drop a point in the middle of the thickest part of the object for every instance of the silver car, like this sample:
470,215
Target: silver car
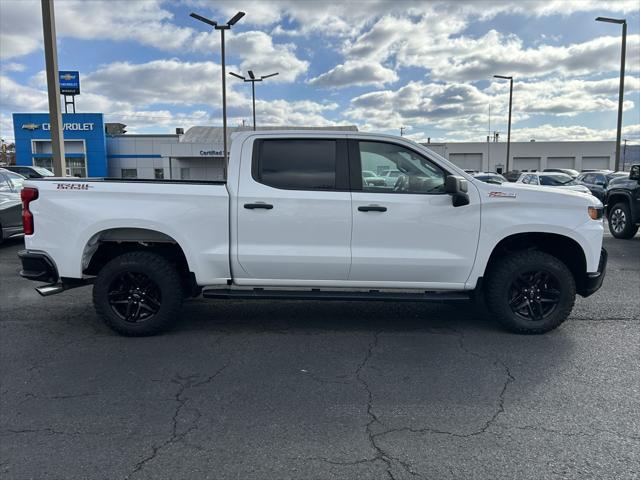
10,204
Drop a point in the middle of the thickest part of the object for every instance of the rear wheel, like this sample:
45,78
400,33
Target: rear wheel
530,292
620,221
138,294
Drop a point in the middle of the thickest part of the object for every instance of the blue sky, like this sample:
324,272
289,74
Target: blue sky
425,65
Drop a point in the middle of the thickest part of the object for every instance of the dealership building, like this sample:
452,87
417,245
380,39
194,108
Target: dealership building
96,149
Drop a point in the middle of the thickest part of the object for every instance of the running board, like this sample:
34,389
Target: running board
317,294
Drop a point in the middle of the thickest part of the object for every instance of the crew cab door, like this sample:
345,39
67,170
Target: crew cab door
293,211
409,233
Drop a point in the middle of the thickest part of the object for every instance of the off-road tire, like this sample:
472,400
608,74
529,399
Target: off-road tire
502,277
167,286
623,212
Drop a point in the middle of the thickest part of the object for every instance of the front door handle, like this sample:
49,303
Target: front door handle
372,208
253,206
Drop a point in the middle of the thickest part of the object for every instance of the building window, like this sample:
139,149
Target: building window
129,173
76,167
158,173
185,174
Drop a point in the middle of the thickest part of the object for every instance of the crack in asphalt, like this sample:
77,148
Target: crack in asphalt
186,383
383,456
380,454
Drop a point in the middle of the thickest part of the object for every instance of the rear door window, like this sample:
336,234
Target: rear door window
301,164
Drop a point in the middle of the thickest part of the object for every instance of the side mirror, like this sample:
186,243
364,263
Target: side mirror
634,173
457,187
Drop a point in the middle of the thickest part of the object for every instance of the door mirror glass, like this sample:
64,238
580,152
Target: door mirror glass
634,173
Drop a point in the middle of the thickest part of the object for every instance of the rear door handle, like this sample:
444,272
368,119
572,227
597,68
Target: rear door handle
372,208
253,206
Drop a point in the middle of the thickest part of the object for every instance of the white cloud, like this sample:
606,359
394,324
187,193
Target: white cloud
258,52
355,72
168,81
6,67
463,106
548,132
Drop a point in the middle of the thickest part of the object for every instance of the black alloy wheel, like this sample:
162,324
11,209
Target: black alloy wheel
534,295
134,297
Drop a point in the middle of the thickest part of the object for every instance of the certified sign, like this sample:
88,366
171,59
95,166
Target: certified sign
69,83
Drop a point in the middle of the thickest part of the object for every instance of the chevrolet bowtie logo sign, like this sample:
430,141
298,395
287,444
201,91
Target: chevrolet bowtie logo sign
30,126
67,77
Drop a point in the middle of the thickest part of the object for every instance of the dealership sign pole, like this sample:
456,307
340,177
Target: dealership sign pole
53,87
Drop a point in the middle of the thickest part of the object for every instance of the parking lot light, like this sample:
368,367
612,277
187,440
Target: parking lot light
227,26
623,22
510,102
253,79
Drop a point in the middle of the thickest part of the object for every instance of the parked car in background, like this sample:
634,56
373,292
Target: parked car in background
598,181
370,178
622,204
391,177
512,175
10,204
490,177
30,172
567,171
552,179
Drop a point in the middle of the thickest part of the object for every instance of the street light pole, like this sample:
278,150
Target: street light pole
623,22
510,103
227,26
253,79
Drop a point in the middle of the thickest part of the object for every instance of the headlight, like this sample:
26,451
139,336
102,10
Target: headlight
595,212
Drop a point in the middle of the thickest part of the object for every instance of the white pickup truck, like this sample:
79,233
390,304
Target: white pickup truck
294,220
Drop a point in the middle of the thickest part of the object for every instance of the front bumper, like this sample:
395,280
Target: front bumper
37,266
592,282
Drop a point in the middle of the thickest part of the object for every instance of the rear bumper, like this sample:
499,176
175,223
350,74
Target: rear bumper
37,266
592,282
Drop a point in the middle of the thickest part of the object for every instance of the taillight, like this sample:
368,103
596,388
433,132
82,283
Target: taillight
27,195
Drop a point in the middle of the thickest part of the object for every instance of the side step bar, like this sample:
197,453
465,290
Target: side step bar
63,286
317,294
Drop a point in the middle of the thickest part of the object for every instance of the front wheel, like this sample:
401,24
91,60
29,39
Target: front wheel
530,292
138,294
620,221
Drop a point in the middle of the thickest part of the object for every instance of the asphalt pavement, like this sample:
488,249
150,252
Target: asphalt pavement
320,390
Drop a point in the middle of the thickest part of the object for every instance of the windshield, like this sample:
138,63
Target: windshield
43,171
497,179
556,179
16,180
367,173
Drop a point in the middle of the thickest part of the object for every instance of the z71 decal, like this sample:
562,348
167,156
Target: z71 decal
502,195
73,186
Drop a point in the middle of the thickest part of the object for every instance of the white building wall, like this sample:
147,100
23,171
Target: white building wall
140,152
494,153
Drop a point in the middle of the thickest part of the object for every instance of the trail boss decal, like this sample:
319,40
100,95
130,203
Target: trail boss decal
73,186
502,195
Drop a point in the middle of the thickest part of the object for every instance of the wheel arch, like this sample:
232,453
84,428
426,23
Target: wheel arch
109,243
565,248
